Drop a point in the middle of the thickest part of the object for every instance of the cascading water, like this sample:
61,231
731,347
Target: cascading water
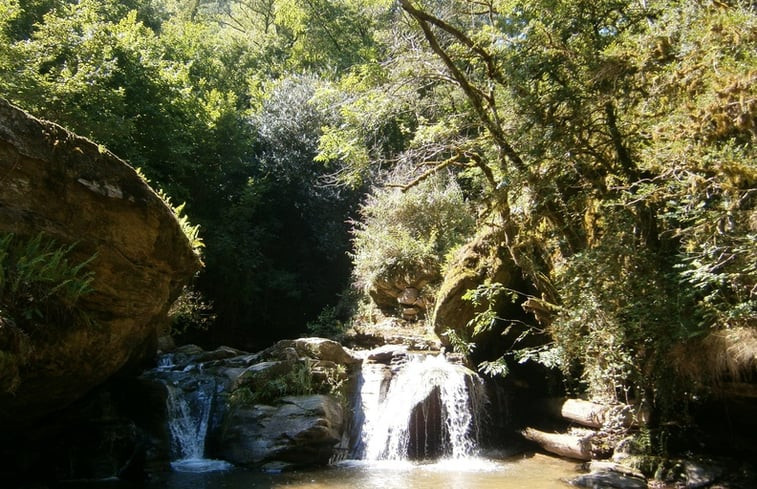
189,403
188,422
429,409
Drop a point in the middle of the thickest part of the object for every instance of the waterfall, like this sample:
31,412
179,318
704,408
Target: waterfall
429,408
188,409
188,415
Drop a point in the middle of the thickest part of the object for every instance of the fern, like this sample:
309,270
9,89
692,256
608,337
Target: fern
38,283
191,231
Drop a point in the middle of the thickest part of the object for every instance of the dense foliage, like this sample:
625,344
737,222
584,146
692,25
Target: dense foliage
198,96
40,286
612,141
39,283
409,233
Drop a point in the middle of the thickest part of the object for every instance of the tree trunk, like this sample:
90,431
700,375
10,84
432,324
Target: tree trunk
572,446
585,413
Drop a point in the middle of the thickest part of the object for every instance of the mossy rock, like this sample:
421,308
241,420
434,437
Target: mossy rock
483,258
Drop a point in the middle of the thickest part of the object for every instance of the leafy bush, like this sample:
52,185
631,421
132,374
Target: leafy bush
191,311
301,378
38,283
409,232
298,381
327,325
623,309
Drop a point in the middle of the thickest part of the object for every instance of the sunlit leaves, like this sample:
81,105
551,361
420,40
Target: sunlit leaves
409,232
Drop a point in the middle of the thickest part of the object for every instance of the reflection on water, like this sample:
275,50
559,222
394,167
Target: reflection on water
537,472
533,473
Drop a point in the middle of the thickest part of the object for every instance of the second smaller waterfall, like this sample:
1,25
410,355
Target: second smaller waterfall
188,413
188,422
430,409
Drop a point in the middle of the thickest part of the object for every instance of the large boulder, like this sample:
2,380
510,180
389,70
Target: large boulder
482,259
76,192
299,430
312,347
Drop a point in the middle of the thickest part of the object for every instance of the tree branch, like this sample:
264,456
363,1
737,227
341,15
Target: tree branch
474,95
426,174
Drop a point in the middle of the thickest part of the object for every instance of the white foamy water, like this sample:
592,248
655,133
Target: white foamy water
188,416
431,407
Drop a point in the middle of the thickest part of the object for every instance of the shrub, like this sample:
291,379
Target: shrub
327,325
298,381
409,232
191,310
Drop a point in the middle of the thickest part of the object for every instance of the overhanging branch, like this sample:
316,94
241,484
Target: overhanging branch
474,95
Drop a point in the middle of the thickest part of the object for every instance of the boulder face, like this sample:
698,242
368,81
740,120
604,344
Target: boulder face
76,192
480,260
298,430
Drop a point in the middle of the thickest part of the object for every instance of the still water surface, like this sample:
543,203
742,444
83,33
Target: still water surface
537,472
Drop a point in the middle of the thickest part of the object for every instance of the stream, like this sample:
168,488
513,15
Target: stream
417,424
536,472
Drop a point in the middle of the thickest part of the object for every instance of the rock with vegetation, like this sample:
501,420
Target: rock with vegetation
480,261
401,243
66,201
321,349
285,405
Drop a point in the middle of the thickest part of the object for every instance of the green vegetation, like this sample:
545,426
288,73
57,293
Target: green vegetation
610,142
301,378
210,101
297,381
409,232
39,284
327,324
614,141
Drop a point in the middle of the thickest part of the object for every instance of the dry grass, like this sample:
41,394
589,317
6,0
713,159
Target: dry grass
729,355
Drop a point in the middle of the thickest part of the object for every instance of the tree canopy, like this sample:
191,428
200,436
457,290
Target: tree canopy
612,142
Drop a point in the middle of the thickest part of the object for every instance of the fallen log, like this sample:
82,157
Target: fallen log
567,445
587,413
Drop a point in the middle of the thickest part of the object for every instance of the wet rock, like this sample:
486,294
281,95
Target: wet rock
607,466
300,430
608,479
689,474
220,353
700,475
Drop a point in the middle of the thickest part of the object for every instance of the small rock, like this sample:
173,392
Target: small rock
608,479
384,354
700,475
606,466
219,353
315,348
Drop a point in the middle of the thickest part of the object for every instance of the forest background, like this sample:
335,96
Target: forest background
604,147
